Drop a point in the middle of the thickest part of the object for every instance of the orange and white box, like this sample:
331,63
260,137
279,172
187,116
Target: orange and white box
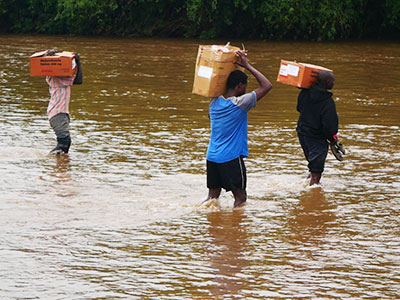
299,74
60,64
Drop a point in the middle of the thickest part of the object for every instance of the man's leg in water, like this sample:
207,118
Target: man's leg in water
315,178
240,197
315,151
60,125
214,183
214,193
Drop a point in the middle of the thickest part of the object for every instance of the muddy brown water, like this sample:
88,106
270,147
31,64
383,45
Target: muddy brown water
117,218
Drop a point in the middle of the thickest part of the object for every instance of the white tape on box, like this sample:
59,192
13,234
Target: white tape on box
283,70
205,72
293,70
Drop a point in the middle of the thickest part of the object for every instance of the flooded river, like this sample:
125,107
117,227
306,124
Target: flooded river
117,217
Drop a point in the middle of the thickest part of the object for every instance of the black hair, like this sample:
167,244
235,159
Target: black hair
235,78
325,79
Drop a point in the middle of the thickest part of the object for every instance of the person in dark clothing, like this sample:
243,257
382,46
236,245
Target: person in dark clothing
318,123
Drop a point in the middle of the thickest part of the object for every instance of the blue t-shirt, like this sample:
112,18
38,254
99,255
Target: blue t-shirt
229,127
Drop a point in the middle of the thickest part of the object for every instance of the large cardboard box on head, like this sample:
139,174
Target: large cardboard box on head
298,74
213,65
59,64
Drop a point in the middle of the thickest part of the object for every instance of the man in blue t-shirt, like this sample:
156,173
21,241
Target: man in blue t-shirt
228,141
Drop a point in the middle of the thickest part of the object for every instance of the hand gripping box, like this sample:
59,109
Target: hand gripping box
298,74
59,64
213,66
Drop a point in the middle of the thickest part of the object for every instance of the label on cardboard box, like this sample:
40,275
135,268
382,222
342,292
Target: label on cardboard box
205,72
283,70
293,70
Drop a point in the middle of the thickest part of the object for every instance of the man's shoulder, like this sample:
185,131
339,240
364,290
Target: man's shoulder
245,101
331,102
304,91
245,97
216,99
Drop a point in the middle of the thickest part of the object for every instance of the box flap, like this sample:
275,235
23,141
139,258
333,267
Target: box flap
65,54
38,54
315,66
58,54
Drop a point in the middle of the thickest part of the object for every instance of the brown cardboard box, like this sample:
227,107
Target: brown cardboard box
60,64
213,67
298,74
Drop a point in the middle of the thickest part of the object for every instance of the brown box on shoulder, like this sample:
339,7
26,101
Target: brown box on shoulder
298,74
60,64
214,63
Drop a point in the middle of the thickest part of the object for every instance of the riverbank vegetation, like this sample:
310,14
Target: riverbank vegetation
313,20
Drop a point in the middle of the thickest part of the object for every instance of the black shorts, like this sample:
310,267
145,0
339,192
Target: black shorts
315,151
229,175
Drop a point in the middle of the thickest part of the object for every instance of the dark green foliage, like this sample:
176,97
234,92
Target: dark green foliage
249,19
85,16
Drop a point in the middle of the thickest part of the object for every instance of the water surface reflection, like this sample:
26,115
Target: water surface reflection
311,219
226,252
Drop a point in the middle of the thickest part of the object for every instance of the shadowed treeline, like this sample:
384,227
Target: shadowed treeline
253,19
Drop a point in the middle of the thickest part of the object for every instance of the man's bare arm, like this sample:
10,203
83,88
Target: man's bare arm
265,84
